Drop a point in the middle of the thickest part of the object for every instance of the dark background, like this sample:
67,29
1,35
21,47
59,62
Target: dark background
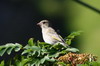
18,19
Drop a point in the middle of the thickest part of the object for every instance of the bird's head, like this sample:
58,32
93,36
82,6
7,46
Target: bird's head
43,23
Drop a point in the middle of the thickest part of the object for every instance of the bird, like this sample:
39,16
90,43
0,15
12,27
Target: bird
49,35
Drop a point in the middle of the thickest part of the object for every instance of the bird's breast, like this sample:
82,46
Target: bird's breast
46,37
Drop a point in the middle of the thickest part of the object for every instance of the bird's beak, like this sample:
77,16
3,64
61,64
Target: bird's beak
38,24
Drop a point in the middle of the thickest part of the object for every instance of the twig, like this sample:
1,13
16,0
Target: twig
88,6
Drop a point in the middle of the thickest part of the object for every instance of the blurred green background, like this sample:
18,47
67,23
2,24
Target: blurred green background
19,17
77,17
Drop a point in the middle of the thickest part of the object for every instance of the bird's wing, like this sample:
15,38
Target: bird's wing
62,39
54,35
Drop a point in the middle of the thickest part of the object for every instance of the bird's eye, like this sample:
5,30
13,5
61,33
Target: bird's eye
44,22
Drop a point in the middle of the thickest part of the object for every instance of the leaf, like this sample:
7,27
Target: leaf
57,46
24,61
27,47
17,47
35,62
25,51
2,51
39,52
61,64
2,63
43,60
19,60
82,65
9,50
30,42
72,50
9,47
44,51
35,48
34,53
94,63
2,47
51,60
68,41
72,36
47,58
55,55
32,50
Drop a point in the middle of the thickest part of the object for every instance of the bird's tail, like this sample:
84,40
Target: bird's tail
64,44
